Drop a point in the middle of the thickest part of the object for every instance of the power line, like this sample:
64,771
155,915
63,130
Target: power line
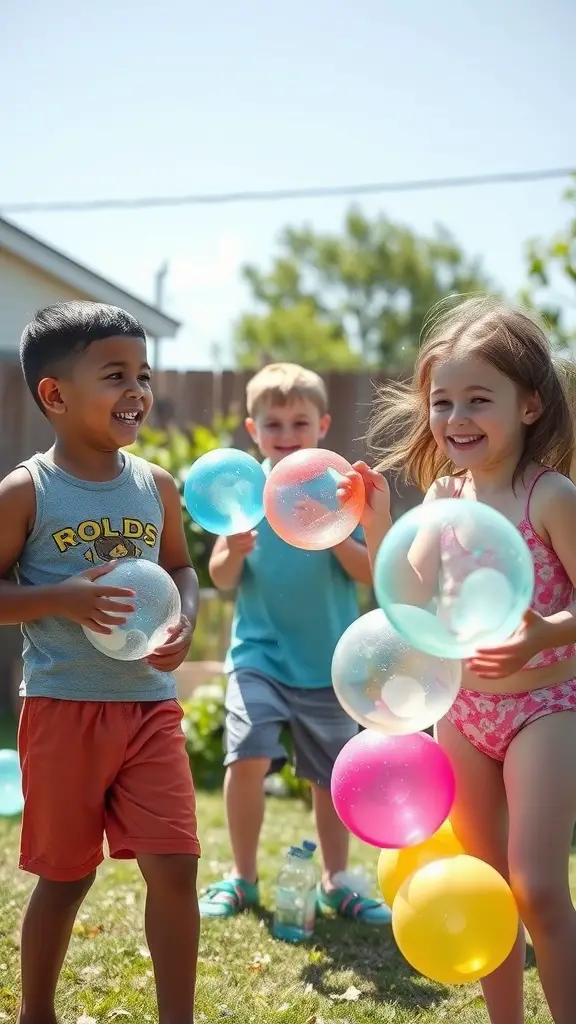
276,195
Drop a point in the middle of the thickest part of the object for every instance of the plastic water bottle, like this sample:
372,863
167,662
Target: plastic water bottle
309,849
295,912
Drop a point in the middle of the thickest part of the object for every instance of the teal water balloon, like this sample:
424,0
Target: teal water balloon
224,492
11,797
454,575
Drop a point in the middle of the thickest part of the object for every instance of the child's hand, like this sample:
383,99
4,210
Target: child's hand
172,653
499,662
242,543
98,607
377,507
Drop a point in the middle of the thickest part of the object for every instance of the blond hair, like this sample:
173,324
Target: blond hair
514,343
284,383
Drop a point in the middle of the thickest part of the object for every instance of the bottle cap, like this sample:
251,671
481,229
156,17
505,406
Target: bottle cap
309,845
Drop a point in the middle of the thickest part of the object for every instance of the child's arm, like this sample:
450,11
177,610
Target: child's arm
78,598
174,557
355,560
553,513
424,555
227,559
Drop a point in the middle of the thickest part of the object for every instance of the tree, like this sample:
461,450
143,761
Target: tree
358,298
552,278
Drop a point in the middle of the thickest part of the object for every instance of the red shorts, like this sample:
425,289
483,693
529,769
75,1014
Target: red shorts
92,768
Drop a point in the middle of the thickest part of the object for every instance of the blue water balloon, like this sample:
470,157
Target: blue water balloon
224,492
11,798
454,575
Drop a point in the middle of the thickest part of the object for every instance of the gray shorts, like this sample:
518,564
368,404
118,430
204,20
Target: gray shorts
258,707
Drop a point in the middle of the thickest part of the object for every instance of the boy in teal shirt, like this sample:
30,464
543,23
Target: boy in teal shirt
292,607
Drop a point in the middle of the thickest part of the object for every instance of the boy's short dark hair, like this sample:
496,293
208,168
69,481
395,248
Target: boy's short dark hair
60,332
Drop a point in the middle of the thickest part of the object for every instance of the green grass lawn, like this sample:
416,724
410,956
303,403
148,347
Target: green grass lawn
349,974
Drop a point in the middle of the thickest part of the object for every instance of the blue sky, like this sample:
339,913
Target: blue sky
125,98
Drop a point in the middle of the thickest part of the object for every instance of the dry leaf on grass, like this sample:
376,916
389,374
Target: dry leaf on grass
259,962
351,995
83,930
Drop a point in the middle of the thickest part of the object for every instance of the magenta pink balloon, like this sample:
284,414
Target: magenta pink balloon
392,791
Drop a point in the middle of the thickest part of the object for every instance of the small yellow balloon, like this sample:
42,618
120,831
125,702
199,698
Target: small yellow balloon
455,920
395,866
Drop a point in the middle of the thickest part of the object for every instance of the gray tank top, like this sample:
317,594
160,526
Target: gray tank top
78,524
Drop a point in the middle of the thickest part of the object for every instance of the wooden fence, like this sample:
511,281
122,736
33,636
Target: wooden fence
182,399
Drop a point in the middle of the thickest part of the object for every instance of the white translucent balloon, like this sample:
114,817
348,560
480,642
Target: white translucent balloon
484,601
158,609
386,685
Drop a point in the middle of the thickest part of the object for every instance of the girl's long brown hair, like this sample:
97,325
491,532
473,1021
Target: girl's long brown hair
517,346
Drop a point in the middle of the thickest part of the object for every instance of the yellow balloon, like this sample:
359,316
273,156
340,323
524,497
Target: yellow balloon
395,866
455,920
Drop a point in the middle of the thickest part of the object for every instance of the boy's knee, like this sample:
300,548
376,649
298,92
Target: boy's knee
250,768
66,893
176,873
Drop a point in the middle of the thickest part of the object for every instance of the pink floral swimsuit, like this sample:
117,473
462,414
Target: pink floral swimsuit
491,720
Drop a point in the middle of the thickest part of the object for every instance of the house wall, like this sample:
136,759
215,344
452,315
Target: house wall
24,290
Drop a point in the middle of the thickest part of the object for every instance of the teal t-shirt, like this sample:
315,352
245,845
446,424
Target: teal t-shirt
292,607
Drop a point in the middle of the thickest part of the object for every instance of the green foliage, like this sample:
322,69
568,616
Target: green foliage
357,298
203,726
212,632
175,450
552,278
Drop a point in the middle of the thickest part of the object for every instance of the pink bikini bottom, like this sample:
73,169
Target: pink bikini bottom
491,720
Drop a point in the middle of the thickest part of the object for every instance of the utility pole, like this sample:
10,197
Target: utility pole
216,357
159,282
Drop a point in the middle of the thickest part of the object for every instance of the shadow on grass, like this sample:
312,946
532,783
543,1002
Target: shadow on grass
371,954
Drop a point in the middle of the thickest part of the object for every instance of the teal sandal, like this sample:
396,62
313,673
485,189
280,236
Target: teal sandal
229,897
346,903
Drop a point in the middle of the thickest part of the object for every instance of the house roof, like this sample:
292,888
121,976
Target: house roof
45,258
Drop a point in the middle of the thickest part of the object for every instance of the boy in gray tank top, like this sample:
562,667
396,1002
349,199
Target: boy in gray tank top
100,741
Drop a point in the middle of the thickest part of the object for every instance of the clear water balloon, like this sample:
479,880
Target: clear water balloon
224,492
454,575
385,684
157,602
